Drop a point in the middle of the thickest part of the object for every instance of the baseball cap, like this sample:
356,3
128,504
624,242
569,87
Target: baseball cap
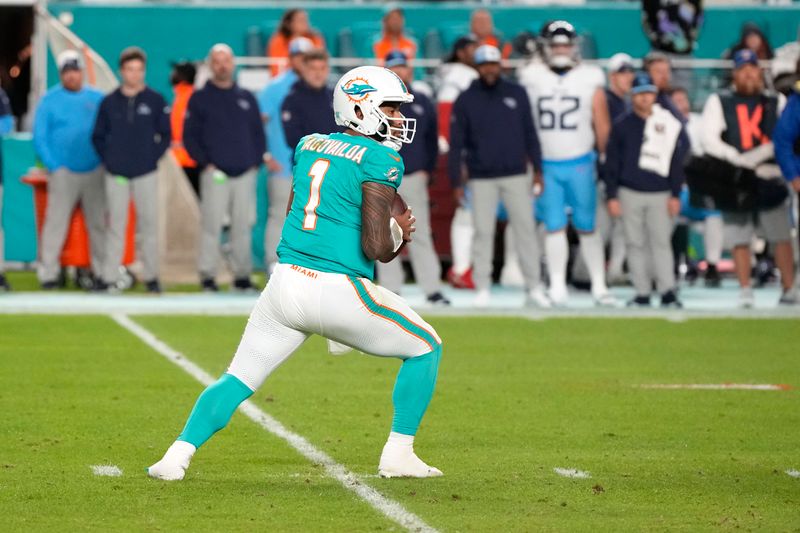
620,63
487,53
743,57
69,60
300,45
643,83
395,58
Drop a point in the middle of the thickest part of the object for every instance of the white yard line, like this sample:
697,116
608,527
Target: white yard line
717,386
793,473
386,506
106,470
572,472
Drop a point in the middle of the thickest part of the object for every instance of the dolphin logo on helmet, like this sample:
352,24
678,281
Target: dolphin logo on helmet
357,102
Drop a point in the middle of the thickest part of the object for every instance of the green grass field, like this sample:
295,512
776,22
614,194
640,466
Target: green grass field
515,400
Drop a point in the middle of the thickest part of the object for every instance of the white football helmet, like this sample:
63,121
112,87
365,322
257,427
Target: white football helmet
560,33
366,88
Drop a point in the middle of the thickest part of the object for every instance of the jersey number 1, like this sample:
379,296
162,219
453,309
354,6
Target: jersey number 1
317,174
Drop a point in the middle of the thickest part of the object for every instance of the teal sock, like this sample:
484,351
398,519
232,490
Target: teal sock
214,408
413,390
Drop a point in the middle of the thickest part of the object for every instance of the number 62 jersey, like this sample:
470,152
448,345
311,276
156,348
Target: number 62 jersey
562,108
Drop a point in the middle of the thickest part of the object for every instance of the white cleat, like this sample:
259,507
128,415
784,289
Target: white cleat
173,466
401,461
746,298
482,299
167,471
605,300
559,296
538,298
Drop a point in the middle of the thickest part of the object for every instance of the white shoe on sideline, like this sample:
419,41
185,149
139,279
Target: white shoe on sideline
173,466
537,297
401,461
746,298
482,298
558,296
605,299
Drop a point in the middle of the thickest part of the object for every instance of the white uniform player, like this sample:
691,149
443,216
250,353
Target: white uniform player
456,76
571,117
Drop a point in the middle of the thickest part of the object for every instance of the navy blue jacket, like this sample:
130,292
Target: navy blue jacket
305,111
223,127
492,127
622,160
616,105
665,101
422,152
132,133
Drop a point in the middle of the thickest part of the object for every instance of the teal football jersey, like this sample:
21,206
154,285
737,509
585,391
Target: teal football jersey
323,228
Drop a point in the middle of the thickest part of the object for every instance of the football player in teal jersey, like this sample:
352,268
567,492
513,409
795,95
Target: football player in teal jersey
338,224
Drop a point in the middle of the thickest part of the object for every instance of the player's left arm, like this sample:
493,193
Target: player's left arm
601,121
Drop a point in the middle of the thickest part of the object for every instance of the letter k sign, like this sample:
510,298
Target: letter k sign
750,126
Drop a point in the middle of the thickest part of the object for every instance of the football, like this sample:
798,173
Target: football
399,205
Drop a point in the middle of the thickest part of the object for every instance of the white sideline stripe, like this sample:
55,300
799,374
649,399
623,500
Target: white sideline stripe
388,507
106,470
793,473
716,386
572,472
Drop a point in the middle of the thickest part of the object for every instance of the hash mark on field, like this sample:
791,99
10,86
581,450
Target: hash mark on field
389,508
793,473
106,470
717,386
572,472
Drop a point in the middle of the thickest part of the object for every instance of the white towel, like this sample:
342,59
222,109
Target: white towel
661,131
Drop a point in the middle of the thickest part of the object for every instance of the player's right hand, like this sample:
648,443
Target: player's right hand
406,223
614,208
458,195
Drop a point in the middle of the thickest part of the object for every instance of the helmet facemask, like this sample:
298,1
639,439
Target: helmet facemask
395,131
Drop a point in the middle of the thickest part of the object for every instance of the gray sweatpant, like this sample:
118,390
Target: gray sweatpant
235,196
279,190
144,190
424,261
648,234
515,192
65,190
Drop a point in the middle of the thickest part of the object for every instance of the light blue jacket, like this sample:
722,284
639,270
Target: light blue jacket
62,129
270,101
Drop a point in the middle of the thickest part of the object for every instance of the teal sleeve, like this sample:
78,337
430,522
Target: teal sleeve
384,166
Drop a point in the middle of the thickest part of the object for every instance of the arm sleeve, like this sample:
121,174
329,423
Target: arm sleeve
613,165
163,127
432,139
100,131
532,146
41,135
676,174
384,166
713,126
786,134
259,135
458,133
193,132
292,120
